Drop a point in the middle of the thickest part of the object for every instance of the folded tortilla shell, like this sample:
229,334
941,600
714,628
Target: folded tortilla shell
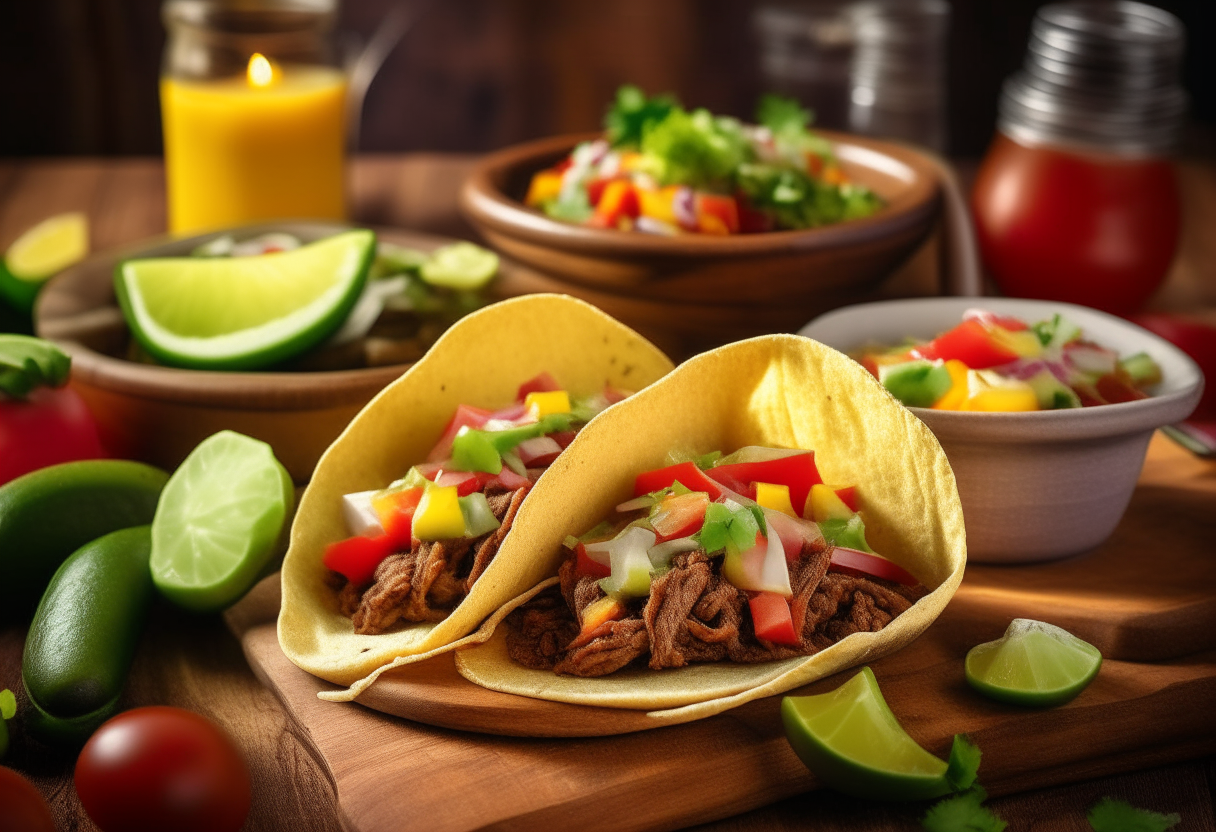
481,361
780,391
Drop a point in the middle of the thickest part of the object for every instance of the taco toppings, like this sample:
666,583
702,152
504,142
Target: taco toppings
418,545
746,558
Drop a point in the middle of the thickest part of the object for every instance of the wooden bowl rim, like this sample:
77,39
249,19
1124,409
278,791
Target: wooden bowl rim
269,391
483,201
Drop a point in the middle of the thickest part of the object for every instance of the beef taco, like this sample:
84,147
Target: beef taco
721,580
415,527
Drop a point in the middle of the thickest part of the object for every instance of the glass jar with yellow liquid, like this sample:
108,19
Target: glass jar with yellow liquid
254,110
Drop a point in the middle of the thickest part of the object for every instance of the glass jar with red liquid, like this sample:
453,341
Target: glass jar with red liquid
1076,199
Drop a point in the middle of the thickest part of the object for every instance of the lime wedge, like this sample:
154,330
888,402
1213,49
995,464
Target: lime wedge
242,313
218,521
850,739
461,266
49,247
1033,664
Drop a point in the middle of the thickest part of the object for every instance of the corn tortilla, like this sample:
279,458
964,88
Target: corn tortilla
780,391
481,361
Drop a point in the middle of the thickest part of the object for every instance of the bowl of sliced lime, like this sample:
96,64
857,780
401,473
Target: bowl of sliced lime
281,331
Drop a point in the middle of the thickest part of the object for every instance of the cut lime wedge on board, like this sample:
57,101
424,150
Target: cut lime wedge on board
1034,664
850,739
49,247
243,313
218,521
463,266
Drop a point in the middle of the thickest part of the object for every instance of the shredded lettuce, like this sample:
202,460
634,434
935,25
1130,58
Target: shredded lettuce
696,149
632,112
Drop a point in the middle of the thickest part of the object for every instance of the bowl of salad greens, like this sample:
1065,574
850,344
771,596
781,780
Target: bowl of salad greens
690,210
281,331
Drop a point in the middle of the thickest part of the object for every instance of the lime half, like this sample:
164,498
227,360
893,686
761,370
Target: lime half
850,739
242,313
461,266
218,521
1034,664
49,247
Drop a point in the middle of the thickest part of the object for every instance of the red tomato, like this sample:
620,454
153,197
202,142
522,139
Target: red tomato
771,618
466,482
159,768
970,343
543,383
584,565
848,496
1198,340
22,808
1090,229
358,557
399,524
686,473
797,471
854,562
680,516
49,427
465,416
723,210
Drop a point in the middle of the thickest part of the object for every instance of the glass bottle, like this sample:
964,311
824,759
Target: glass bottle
253,107
1076,199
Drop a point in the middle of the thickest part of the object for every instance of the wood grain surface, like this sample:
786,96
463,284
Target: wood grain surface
194,662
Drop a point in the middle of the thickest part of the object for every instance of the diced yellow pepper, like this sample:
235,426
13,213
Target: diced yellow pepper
993,395
658,204
438,516
545,186
957,395
776,497
630,160
1024,342
825,504
540,405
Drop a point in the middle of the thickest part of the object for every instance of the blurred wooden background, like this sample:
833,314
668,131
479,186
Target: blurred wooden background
79,76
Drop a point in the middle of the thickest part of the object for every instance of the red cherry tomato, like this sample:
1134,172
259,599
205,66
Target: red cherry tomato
49,427
22,808
159,768
1084,228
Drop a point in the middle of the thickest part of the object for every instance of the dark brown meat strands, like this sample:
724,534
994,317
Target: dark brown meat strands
425,583
693,614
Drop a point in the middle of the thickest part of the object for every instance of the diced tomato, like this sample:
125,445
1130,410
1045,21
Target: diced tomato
771,618
795,534
584,565
686,473
798,472
717,214
680,515
564,437
358,557
595,190
1115,390
620,200
396,514
543,383
465,416
508,480
752,221
814,163
466,482
1004,321
970,343
848,496
854,562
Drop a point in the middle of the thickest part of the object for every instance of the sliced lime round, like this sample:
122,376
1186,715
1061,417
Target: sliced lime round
850,739
49,247
218,521
461,266
1034,663
242,313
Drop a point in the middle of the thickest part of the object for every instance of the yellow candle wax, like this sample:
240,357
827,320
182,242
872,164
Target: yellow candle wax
268,145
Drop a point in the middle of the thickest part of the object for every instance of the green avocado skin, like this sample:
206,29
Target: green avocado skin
84,634
48,514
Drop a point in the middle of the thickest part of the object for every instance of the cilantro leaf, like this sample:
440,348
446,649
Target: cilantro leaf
697,149
963,813
782,115
631,112
1111,815
964,764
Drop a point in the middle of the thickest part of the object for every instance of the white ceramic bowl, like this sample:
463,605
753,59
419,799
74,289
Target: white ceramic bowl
1044,485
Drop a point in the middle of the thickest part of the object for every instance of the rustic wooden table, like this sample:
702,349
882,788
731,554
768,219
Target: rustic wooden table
194,662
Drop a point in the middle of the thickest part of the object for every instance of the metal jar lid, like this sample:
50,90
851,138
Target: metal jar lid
1099,74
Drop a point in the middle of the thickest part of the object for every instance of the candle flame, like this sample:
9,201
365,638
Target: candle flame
261,71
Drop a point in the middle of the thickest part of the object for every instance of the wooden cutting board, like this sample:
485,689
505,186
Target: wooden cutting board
1148,594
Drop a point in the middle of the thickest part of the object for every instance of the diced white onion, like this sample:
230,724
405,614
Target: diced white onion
361,519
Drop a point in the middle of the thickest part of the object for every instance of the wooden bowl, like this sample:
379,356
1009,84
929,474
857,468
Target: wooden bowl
1047,484
158,414
755,282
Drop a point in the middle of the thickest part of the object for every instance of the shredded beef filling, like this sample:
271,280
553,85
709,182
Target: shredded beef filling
693,614
427,582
